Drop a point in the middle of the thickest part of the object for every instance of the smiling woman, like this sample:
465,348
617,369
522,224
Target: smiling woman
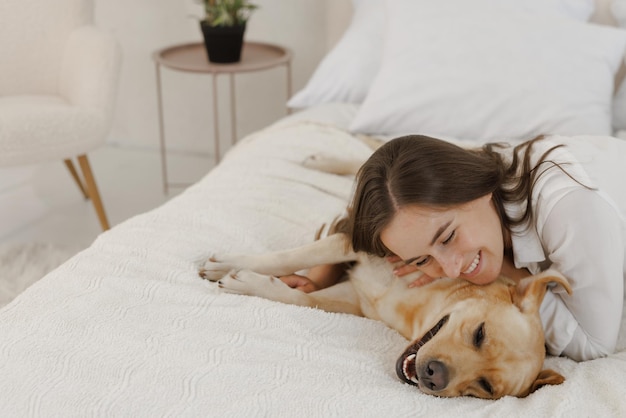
467,240
476,214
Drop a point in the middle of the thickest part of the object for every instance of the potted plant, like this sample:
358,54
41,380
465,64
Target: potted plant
223,28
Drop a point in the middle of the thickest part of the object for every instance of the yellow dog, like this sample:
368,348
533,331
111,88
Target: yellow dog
483,341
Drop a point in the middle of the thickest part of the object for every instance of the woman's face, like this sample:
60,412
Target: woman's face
463,242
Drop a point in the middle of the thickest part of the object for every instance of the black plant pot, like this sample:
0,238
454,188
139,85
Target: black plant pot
223,43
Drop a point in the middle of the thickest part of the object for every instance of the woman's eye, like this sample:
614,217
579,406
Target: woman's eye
421,262
447,240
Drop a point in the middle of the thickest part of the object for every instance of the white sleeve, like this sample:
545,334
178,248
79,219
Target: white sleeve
583,240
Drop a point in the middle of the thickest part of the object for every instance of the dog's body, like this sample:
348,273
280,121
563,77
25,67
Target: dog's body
484,341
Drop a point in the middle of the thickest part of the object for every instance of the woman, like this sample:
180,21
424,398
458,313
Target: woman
473,214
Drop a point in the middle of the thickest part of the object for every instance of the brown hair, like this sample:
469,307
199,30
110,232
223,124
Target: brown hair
419,170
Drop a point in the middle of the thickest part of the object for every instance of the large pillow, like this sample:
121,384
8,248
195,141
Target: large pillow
619,107
347,71
619,102
482,70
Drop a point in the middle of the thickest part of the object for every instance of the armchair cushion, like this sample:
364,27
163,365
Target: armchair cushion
43,120
46,127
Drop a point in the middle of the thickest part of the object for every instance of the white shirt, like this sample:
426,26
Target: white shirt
582,234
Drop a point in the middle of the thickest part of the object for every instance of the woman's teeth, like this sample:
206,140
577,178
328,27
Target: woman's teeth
474,264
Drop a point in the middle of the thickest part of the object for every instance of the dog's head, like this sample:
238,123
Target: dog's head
488,345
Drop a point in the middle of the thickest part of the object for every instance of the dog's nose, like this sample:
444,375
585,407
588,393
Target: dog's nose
434,375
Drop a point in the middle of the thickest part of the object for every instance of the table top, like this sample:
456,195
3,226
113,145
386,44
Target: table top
192,57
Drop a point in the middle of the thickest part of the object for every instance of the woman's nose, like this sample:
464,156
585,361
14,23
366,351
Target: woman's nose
452,265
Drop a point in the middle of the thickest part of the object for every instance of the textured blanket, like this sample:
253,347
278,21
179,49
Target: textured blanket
127,328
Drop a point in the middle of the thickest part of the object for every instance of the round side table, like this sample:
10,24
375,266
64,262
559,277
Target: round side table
192,58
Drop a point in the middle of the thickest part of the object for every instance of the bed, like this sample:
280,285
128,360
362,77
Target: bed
127,328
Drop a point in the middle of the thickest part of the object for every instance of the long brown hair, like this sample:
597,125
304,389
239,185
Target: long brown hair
420,170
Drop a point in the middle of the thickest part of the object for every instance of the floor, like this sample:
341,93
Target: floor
130,183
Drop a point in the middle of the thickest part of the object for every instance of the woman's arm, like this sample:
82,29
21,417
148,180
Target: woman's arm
317,278
584,241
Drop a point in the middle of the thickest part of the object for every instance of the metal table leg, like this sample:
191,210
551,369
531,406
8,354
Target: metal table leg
161,131
216,121
233,110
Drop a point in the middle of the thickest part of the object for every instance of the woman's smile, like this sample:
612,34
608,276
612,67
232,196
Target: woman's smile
473,269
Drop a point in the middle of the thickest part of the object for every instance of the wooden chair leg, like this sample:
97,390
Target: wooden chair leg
70,166
92,191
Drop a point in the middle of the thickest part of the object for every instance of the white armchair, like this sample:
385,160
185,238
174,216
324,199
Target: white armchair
58,81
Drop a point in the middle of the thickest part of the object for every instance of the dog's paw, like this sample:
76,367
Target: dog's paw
246,282
320,162
332,165
213,270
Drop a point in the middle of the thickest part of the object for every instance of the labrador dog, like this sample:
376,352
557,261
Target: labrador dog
467,340
483,341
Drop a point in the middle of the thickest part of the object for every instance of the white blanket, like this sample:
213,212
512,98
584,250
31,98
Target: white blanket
127,328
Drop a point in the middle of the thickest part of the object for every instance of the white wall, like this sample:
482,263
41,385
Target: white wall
307,27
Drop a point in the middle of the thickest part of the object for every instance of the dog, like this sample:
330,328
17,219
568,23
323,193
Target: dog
484,341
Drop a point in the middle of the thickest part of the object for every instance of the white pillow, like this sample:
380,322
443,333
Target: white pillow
479,70
347,71
619,102
619,107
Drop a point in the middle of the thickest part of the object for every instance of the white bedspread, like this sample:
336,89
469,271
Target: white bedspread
127,328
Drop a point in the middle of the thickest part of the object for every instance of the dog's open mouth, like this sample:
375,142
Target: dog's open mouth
405,366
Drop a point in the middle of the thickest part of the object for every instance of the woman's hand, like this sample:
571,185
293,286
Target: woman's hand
302,283
401,269
317,278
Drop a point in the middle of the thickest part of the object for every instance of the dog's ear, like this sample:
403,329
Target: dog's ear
546,377
529,292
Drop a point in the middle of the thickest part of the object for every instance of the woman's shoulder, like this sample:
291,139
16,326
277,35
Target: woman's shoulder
594,163
554,161
602,160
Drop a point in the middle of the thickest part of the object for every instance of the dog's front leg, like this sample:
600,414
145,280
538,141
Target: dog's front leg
338,298
333,249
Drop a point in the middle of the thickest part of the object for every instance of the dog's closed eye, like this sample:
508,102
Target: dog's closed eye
479,335
484,383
